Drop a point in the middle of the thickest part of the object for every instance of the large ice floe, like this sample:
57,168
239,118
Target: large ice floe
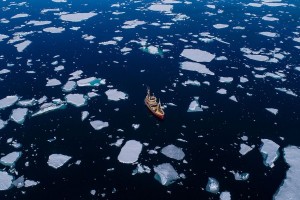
11,158
115,95
98,124
130,152
274,111
5,180
269,151
91,81
289,190
244,149
197,55
18,115
197,67
212,185
57,160
77,17
173,152
165,174
77,100
8,101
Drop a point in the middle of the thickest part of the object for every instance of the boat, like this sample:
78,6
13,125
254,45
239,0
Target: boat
153,105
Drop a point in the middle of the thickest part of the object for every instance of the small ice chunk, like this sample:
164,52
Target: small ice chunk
244,149
91,81
77,17
193,66
8,101
194,106
98,125
141,169
225,79
269,34
240,176
165,174
132,24
27,102
222,91
173,151
77,100
59,68
21,46
262,58
212,185
21,15
269,151
57,160
274,111
161,7
2,124
84,115
19,182
189,82
197,55
4,71
30,183
69,86
18,115
5,180
225,196
220,26
136,126
48,107
130,152
233,98
10,159
52,82
54,29
115,95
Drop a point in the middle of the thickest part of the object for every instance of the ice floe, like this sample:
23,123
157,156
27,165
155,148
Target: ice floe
98,124
220,26
190,82
57,160
274,111
240,176
77,17
225,196
165,174
77,100
5,180
84,115
130,152
287,91
197,55
141,169
10,159
193,66
222,91
161,7
48,107
23,45
54,29
269,151
173,152
69,86
30,183
21,15
244,149
2,124
38,23
2,37
18,115
8,101
91,81
225,79
53,82
212,185
194,106
27,102
115,95
132,24
4,71
152,50
269,34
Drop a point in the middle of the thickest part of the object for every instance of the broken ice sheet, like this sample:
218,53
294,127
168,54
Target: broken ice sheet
69,86
57,160
244,149
5,180
115,95
52,82
10,159
18,115
269,151
193,66
130,152
8,101
173,152
225,196
194,106
274,111
197,55
48,107
212,185
77,100
98,125
91,81
141,169
2,124
77,17
84,115
165,174
240,176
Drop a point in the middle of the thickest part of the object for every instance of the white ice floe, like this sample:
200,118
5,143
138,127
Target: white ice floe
48,107
289,189
54,29
98,124
261,58
221,58
269,18
287,91
69,86
220,26
222,91
23,45
115,95
84,115
173,152
135,126
2,124
18,115
91,81
57,160
21,15
165,174
233,98
77,17
161,7
243,79
19,182
59,1
212,185
269,151
92,94
296,39
132,24
269,34
30,183
2,37
190,82
59,68
77,100
244,149
8,101
5,180
225,79
4,71
194,106
53,82
197,55
225,196
274,111
27,102
38,23
152,50
240,176
141,169
130,152
193,66
10,159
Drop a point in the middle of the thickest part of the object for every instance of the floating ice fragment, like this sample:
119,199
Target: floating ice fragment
54,29
91,81
240,176
225,196
222,91
8,101
243,79
57,160
59,68
52,82
27,103
2,124
132,24
197,55
30,183
10,159
2,37
59,1
98,125
5,180
225,79
21,46
194,106
233,98
38,23
220,26
115,95
193,66
173,151
77,100
84,115
69,86
161,7
141,169
130,152
48,107
152,50
212,185
165,174
18,115
21,15
189,82
261,58
135,126
274,111
269,34
269,151
19,182
287,91
244,149
77,17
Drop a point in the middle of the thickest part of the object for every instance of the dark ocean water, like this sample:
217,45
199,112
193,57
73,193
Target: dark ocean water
212,136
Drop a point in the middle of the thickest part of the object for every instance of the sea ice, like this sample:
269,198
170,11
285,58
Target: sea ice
132,24
225,79
244,149
57,160
38,23
2,37
240,176
289,189
77,17
69,86
27,102
2,124
269,34
222,91
18,115
98,125
194,106
77,100
21,15
5,180
21,46
130,152
193,66
30,183
261,58
189,82
197,55
269,151
233,98
225,196
173,152
152,50
287,91
10,159
8,101
165,174
53,82
115,95
84,115
48,107
220,26
54,29
141,169
161,7
91,81
274,111
212,185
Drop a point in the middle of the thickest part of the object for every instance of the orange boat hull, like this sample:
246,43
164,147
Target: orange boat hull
158,115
